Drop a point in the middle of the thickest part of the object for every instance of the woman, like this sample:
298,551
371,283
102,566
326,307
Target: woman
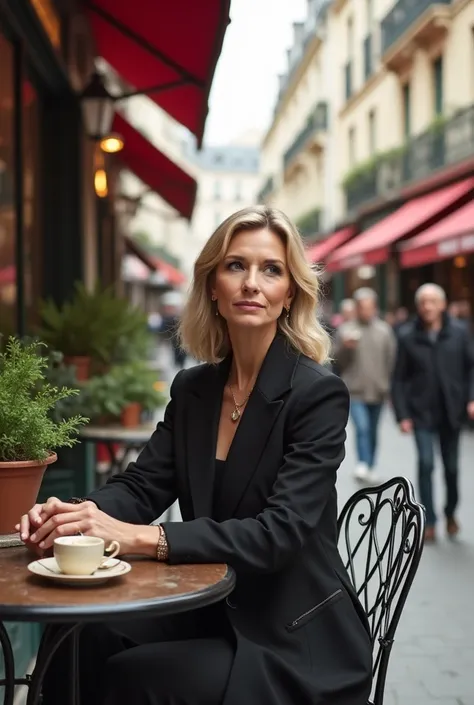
250,444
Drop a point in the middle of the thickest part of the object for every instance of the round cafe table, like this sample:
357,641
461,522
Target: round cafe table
149,589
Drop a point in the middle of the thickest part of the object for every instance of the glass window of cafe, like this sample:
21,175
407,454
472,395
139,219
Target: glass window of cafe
9,283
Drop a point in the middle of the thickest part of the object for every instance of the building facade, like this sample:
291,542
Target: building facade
297,150
399,80
228,178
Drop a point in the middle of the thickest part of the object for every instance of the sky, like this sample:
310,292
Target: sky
246,80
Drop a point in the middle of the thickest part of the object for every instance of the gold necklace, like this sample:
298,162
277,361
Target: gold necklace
236,414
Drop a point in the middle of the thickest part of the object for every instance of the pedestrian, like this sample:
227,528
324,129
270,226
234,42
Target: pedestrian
364,351
432,392
250,444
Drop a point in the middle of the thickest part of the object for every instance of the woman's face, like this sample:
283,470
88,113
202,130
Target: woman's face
252,283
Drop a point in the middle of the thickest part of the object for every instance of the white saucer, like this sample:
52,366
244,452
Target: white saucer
48,568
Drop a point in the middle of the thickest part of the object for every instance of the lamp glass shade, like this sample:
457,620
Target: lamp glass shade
98,108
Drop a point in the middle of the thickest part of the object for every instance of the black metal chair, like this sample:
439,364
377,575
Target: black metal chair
380,534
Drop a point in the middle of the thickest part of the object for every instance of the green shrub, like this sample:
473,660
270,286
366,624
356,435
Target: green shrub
28,430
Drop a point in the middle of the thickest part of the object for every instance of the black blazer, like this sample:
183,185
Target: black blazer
433,382
301,633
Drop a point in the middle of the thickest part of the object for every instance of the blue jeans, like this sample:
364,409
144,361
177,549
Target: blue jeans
366,421
449,446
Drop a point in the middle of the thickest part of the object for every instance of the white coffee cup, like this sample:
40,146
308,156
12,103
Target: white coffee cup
82,555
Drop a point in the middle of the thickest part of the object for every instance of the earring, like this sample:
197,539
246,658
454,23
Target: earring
214,298
288,313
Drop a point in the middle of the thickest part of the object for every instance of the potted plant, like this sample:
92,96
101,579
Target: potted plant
124,393
140,388
29,434
94,330
74,328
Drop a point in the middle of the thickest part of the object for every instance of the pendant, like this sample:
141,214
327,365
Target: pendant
235,416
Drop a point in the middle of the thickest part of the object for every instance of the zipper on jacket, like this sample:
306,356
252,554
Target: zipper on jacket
317,607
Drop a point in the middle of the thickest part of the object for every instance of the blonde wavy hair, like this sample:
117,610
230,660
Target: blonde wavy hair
204,335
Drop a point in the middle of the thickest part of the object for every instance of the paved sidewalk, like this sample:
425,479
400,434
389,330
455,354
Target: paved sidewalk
432,661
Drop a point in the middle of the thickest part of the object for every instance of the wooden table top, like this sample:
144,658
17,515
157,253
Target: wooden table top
115,432
149,588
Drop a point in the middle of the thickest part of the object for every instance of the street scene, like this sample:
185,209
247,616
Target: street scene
283,191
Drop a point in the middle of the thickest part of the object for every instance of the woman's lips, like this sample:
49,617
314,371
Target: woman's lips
248,306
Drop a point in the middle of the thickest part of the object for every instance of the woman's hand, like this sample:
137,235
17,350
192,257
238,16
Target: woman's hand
46,522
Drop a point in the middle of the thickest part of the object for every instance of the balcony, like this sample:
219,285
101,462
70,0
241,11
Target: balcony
410,24
309,139
267,189
445,143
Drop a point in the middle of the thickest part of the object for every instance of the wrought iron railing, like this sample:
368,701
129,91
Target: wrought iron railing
266,189
446,142
402,16
317,122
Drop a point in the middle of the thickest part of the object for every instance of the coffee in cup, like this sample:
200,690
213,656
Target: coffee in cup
82,555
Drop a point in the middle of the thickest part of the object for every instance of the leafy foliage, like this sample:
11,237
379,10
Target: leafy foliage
27,429
107,395
95,324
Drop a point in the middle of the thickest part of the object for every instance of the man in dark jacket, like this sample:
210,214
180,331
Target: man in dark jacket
432,391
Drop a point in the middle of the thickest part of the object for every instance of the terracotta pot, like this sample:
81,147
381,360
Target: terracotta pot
20,481
131,415
82,365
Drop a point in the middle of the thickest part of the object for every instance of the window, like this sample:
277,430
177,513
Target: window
8,269
217,190
438,85
352,146
350,38
406,98
372,133
33,243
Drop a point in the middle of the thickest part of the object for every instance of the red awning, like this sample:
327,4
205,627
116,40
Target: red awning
373,245
321,250
173,275
133,247
167,50
155,169
452,236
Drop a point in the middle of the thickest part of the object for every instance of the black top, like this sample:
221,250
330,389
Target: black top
218,480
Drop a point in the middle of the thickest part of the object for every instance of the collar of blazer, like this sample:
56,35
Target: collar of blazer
203,412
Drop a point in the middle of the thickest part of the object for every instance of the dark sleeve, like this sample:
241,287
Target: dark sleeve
147,487
469,353
399,380
305,480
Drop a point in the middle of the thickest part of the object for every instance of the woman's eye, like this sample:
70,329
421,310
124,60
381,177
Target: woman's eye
273,269
233,266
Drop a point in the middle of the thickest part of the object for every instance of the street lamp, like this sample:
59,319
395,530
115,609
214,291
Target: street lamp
98,108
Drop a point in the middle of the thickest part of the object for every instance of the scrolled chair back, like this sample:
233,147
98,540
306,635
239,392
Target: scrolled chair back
380,537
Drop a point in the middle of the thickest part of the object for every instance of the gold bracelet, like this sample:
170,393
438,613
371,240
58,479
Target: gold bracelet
162,545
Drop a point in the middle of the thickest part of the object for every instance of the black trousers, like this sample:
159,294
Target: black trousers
448,439
184,659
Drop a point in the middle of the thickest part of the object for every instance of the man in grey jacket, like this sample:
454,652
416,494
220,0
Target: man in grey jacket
364,351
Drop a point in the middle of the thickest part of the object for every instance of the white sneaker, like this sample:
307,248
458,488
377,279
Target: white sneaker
361,472
373,478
